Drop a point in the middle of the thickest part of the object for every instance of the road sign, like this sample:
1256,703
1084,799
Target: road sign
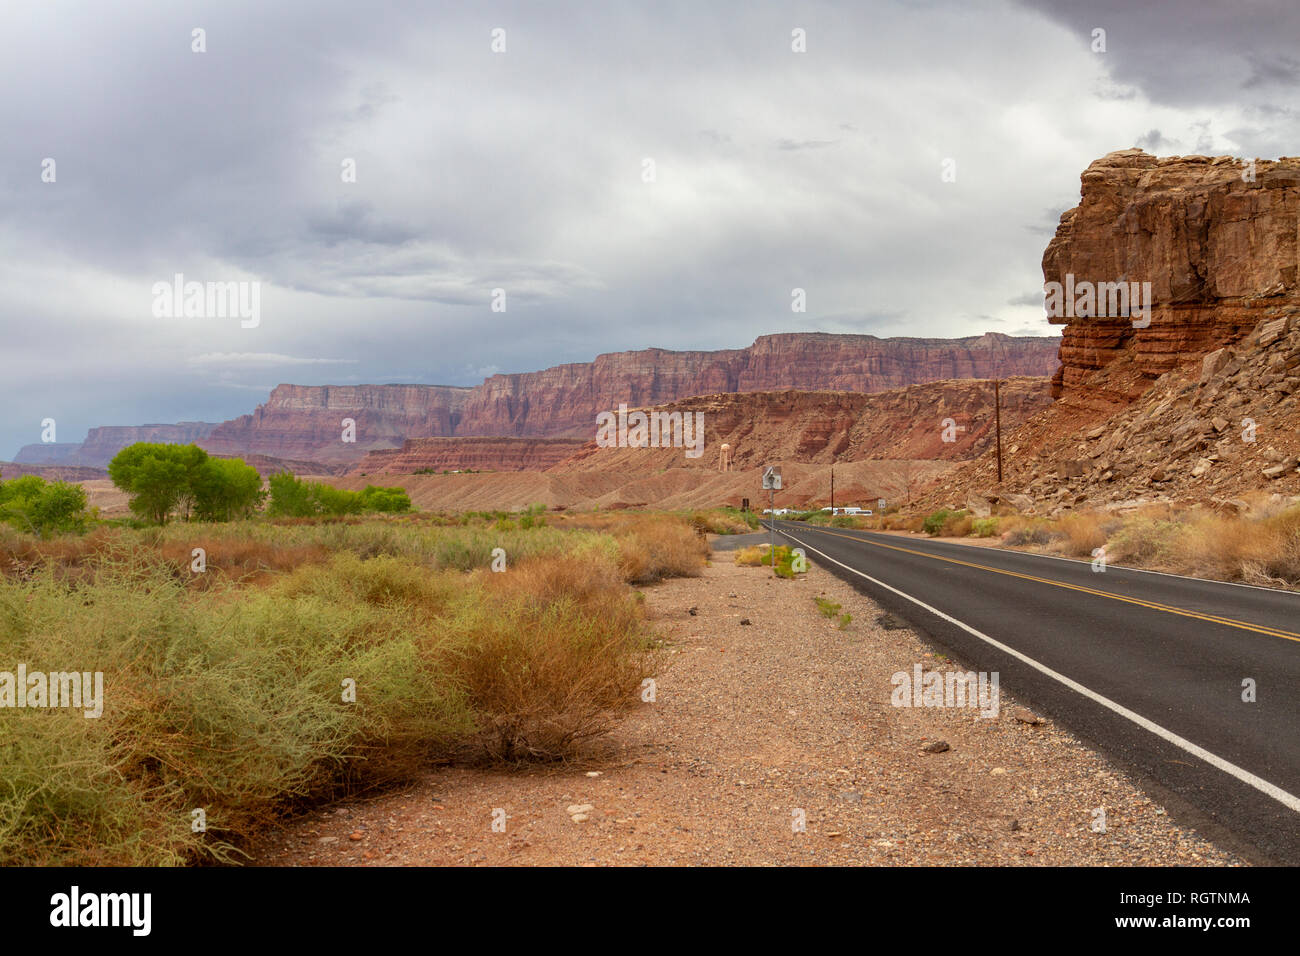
880,505
772,478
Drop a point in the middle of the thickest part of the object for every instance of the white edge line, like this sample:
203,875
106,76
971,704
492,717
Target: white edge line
1245,776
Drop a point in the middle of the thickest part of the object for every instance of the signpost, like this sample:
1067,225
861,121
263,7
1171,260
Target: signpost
772,482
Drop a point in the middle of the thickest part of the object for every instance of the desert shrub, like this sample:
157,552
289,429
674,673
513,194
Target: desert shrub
292,497
984,527
723,521
651,550
550,658
232,699
827,607
958,525
1146,542
763,555
832,609
1029,533
1081,534
30,503
933,523
1261,548
943,521
229,705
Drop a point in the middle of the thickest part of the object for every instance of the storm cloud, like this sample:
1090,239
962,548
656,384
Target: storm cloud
630,175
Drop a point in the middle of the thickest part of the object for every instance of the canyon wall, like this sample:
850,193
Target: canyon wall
1219,251
305,422
564,400
103,443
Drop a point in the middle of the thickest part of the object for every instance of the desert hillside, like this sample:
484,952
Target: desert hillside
1200,403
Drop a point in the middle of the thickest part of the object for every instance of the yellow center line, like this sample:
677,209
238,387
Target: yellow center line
1229,622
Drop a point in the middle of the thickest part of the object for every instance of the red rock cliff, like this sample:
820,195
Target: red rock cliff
564,400
1219,251
305,422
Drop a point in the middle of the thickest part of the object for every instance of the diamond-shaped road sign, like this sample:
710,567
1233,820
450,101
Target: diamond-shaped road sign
772,478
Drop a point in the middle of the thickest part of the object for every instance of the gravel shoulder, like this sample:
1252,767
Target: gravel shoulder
768,714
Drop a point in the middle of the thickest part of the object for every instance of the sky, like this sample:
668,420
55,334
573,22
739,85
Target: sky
628,175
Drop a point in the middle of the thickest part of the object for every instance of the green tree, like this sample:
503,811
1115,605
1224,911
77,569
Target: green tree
160,478
290,497
225,489
32,504
388,500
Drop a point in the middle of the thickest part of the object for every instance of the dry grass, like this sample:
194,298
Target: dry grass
651,549
552,659
228,697
1081,534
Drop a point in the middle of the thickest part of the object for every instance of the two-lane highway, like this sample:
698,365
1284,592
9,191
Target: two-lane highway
1150,668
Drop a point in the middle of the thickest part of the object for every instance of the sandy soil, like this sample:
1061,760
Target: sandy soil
769,710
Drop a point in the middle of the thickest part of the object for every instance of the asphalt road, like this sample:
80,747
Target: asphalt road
1148,668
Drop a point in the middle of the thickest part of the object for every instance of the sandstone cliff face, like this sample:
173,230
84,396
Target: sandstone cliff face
48,453
886,445
564,400
462,454
306,421
103,443
1220,254
829,427
1162,413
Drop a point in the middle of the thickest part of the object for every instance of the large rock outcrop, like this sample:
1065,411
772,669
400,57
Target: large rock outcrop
1217,245
1204,403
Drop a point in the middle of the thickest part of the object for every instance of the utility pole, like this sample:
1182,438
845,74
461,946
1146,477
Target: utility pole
832,490
997,417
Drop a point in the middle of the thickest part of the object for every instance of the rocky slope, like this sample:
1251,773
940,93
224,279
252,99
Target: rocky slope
887,445
1165,412
461,454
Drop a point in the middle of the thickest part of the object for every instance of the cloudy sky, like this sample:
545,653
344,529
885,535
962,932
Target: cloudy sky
631,174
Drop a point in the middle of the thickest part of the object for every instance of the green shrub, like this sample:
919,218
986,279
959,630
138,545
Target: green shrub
933,524
30,503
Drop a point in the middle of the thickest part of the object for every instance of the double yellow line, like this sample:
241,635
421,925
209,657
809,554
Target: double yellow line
1212,618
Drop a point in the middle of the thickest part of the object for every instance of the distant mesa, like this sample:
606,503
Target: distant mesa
303,423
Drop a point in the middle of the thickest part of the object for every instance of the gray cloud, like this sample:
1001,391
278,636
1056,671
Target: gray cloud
525,171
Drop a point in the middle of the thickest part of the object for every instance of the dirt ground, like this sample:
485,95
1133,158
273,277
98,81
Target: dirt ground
769,715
